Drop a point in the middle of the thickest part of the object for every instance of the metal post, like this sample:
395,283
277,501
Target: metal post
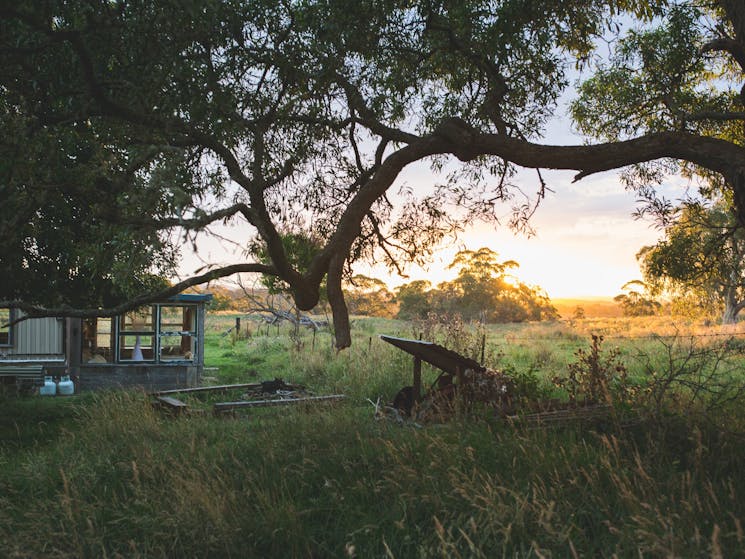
417,384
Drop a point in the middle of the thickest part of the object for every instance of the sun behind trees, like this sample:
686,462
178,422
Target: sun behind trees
483,290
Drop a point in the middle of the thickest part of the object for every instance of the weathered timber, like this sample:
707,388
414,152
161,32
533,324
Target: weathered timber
150,377
228,406
24,373
172,404
216,388
417,383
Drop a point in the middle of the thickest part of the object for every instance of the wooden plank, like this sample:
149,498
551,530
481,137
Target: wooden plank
21,371
564,415
33,372
198,389
172,403
227,406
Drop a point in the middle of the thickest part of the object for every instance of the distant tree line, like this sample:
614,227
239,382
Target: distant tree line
483,290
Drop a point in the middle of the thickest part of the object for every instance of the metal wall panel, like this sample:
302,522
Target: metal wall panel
38,337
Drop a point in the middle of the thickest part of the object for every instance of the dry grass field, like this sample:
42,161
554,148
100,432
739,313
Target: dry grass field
596,307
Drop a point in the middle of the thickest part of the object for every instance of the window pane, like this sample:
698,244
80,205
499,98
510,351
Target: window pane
97,340
177,319
176,347
177,326
136,347
4,330
138,320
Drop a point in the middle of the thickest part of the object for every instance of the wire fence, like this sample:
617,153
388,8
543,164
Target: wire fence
511,337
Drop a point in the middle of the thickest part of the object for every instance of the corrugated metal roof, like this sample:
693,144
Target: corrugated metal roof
434,354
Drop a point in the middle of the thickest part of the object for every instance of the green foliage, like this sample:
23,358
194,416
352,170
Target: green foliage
167,110
670,74
155,120
106,475
636,303
700,260
414,299
299,248
369,297
333,482
689,377
530,390
654,76
597,377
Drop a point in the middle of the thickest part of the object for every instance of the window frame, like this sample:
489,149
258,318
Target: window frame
11,328
192,333
121,333
157,332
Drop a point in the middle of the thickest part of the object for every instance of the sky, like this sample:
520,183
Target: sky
584,244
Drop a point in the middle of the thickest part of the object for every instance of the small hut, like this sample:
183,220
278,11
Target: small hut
157,346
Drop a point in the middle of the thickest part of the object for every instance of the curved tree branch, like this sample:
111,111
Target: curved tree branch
35,311
714,115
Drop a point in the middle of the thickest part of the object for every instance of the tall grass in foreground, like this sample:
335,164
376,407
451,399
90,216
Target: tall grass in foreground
330,482
106,476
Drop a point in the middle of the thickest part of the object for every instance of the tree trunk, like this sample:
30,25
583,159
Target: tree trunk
730,312
732,306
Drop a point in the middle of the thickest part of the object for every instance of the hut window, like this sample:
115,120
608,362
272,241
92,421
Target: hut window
98,340
177,332
161,333
6,331
137,335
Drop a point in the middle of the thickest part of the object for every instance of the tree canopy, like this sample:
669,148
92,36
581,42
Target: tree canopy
133,126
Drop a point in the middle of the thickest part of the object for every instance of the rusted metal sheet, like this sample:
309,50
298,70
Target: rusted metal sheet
434,354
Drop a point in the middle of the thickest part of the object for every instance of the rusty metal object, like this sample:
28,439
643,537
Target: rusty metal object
462,382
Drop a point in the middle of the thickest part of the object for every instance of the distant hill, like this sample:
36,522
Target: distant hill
595,307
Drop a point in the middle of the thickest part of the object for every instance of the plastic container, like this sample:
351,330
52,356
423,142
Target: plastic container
49,388
66,387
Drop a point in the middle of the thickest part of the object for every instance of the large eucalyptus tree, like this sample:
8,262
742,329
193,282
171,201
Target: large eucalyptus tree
131,126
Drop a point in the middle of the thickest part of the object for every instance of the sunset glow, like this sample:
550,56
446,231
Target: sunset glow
584,245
